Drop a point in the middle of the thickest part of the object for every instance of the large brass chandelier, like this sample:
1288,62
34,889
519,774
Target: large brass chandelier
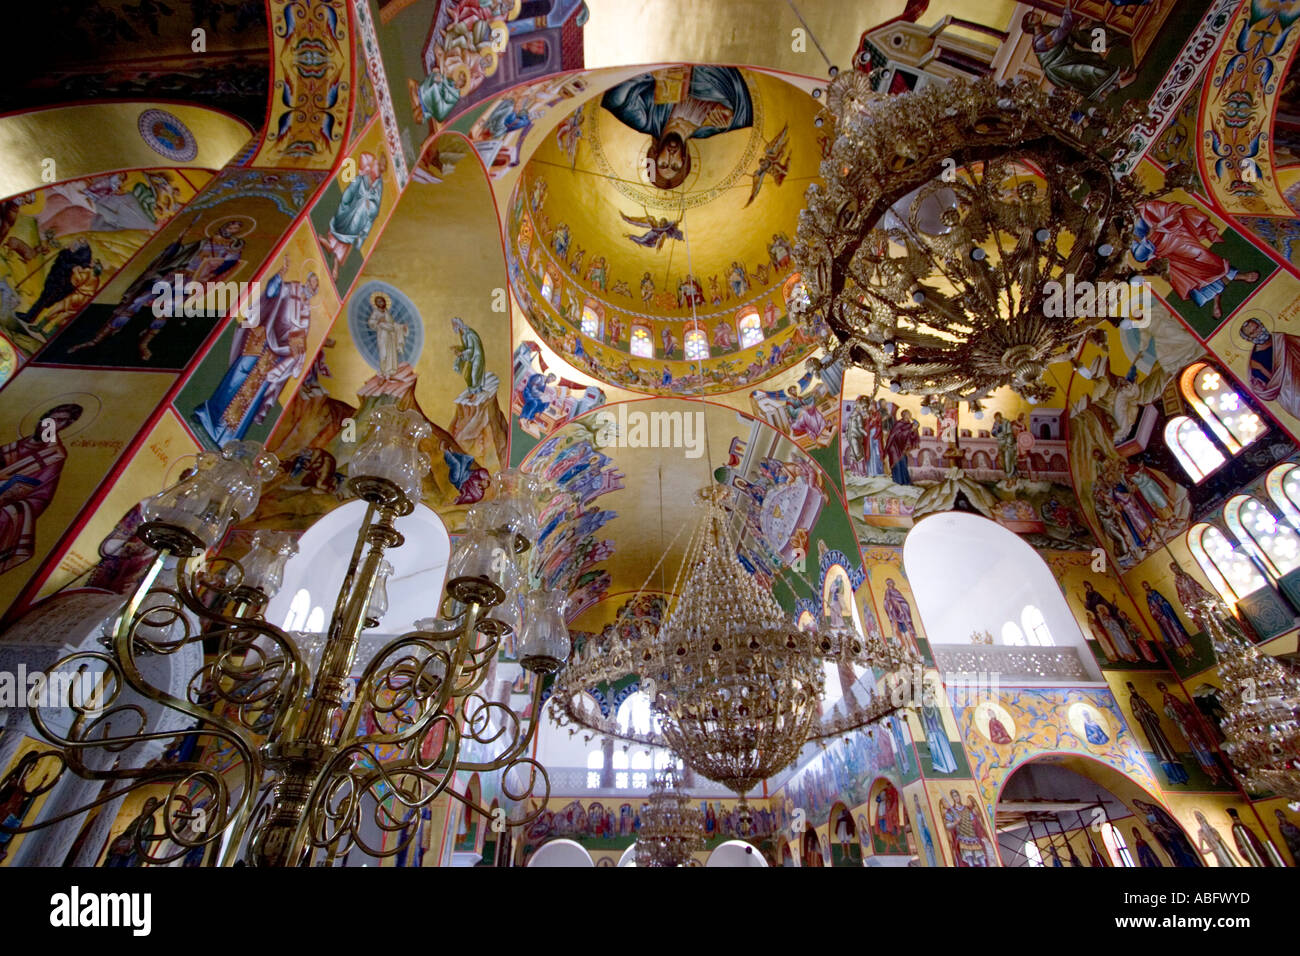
320,755
736,686
957,229
672,828
1261,700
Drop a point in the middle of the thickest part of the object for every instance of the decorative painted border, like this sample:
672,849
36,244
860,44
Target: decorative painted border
1186,73
379,80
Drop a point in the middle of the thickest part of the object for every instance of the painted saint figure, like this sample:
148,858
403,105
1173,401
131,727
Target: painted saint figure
1180,233
1149,721
1211,842
264,356
358,209
1274,365
29,476
1166,618
1189,722
1253,850
898,611
1065,53
390,335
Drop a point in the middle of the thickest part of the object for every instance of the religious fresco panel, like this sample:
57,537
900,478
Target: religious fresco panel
61,244
239,389
64,433
224,234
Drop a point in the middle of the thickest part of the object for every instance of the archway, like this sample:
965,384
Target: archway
843,837
561,852
812,850
313,576
981,589
1062,810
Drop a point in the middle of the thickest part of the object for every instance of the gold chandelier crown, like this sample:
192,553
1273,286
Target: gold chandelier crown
953,224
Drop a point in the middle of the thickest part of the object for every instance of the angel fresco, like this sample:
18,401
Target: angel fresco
775,160
660,230
678,104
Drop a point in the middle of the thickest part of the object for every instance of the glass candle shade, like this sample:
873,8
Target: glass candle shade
482,568
391,451
264,564
378,605
543,644
221,489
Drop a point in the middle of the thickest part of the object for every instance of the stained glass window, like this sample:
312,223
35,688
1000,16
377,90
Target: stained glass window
642,346
1220,406
1231,572
1273,543
1192,447
697,345
591,320
751,329
1284,490
1116,848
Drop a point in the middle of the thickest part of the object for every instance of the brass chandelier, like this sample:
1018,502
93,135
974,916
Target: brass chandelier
317,751
672,829
954,226
1261,698
736,686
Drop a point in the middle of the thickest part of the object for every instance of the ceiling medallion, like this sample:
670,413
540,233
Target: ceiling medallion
966,236
736,686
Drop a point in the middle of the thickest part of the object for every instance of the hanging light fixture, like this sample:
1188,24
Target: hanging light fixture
944,249
1261,700
736,685
319,755
672,827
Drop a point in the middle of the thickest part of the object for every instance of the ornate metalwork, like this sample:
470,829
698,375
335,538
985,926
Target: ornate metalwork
736,686
312,754
945,217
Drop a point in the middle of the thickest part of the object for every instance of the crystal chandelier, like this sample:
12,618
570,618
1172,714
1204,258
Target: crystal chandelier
1261,697
735,684
317,751
955,230
672,829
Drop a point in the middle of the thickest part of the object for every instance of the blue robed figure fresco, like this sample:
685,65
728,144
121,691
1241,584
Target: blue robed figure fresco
677,104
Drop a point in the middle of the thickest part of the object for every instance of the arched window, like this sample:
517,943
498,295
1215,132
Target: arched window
635,716
1232,573
1036,631
299,608
640,770
1116,848
1012,634
1284,489
697,345
620,769
1192,447
641,343
1222,409
591,319
551,287
750,327
1033,854
1273,544
595,764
